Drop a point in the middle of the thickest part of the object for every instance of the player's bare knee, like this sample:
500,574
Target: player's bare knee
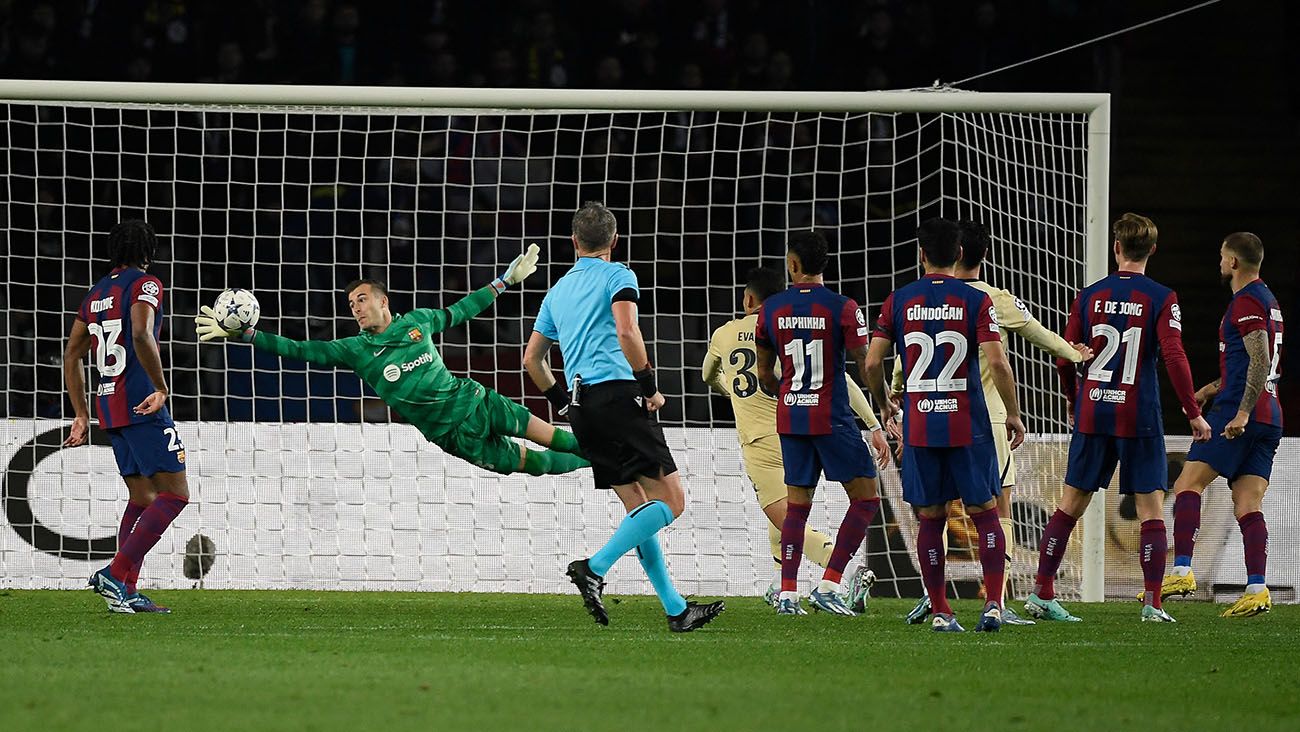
173,483
933,512
982,507
861,489
1074,501
1150,506
1248,495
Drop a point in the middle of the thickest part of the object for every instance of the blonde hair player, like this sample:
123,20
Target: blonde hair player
729,369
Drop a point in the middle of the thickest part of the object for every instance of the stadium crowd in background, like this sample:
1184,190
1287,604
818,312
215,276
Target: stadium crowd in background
641,44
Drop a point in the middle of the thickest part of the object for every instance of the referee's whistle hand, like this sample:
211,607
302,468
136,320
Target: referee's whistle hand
655,403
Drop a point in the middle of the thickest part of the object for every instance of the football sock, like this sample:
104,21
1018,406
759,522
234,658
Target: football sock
1187,523
1009,535
792,538
564,441
129,517
652,561
550,462
639,524
1051,551
1254,539
853,529
153,521
929,552
993,553
1153,545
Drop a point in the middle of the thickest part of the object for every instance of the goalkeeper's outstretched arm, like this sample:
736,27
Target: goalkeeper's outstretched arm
466,308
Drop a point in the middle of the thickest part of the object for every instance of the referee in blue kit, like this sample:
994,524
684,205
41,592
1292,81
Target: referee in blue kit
591,312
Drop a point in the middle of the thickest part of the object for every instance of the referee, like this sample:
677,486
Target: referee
591,312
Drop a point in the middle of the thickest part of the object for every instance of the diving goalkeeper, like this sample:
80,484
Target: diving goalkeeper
396,357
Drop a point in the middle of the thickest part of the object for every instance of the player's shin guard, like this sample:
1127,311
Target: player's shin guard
1187,522
148,530
640,524
853,529
652,561
1051,551
550,462
792,538
993,553
1153,545
1254,539
931,557
1008,533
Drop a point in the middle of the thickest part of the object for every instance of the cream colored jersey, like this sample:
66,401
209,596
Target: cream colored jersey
731,366
1013,316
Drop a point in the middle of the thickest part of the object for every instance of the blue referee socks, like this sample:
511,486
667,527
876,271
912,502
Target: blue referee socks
643,522
652,561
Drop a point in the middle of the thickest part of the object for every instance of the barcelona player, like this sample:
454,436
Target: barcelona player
1128,319
119,324
941,326
729,369
1246,425
811,329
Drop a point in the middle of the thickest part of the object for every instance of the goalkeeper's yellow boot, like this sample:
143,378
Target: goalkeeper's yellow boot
1175,584
1252,603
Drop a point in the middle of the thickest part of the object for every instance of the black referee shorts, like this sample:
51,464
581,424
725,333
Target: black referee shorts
616,433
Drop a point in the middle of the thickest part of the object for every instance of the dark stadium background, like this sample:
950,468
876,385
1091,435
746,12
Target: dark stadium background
1205,136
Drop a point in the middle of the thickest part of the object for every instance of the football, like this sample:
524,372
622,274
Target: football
237,309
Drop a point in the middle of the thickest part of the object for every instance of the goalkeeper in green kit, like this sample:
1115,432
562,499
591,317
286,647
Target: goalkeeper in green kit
396,357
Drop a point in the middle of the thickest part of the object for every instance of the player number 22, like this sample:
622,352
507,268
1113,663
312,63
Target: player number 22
110,356
928,345
808,361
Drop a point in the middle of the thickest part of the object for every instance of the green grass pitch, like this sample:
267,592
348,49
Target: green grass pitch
396,661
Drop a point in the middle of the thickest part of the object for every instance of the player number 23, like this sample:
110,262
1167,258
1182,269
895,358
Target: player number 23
928,345
110,356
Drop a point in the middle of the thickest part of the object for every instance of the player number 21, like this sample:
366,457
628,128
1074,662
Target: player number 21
808,361
1132,340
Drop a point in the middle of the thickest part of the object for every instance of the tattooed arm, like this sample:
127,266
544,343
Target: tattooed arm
1256,344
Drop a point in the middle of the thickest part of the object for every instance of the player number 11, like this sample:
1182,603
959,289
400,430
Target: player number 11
807,359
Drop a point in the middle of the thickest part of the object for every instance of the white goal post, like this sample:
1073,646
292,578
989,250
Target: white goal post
711,181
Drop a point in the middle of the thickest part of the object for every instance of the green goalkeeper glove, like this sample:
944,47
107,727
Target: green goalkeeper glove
208,328
522,266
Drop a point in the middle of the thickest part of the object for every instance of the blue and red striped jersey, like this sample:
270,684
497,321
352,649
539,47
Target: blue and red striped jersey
106,311
811,328
1252,308
937,324
1129,320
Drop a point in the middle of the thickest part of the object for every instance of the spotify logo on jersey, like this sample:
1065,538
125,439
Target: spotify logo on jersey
392,372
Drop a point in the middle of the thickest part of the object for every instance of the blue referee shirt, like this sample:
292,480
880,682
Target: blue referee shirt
576,314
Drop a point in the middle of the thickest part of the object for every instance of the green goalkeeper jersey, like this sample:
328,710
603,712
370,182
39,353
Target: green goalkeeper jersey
401,364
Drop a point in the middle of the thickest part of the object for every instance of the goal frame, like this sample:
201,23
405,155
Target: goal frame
443,100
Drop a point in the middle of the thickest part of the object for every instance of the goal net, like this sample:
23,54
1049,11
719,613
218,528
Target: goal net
302,479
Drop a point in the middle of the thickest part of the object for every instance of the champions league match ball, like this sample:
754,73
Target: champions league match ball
237,309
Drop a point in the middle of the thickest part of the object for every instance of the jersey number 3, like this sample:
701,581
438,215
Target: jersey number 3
746,382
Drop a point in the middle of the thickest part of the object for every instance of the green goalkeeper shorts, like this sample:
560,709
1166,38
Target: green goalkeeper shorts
484,437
